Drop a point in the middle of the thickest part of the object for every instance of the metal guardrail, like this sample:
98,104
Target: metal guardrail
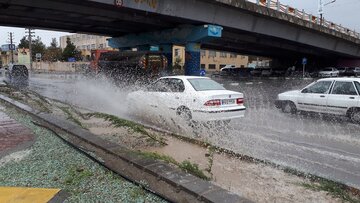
276,5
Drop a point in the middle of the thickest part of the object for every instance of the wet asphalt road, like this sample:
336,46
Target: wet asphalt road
323,145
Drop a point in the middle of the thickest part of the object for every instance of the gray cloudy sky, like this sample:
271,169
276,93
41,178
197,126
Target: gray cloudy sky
345,12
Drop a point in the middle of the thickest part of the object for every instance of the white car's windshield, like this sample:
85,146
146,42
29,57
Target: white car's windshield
203,84
327,69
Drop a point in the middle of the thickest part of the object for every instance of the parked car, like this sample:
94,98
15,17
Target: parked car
357,71
339,96
342,70
329,72
189,98
17,75
256,72
228,66
353,71
266,72
279,72
228,70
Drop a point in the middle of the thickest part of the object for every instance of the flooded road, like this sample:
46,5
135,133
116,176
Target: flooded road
319,144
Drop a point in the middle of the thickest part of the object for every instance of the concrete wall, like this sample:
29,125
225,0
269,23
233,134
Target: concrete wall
63,67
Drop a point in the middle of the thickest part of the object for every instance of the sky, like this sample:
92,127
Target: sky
18,33
344,12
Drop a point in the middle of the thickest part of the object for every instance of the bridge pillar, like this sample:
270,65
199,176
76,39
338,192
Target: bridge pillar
167,50
192,59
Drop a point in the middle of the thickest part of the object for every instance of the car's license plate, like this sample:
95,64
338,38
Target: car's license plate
228,101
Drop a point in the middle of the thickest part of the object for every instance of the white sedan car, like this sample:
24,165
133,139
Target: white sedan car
339,96
190,98
329,72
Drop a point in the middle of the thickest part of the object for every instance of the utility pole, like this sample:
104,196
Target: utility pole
11,47
30,35
321,8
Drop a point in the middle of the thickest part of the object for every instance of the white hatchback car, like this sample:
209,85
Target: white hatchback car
329,72
189,97
338,96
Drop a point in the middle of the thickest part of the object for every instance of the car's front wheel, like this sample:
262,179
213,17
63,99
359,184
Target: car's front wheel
289,107
355,116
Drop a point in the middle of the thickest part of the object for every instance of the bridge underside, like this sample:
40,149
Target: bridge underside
106,19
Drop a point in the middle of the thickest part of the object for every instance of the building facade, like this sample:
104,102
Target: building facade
211,60
85,43
215,60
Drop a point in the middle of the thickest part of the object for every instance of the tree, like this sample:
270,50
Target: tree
37,46
70,51
53,43
24,43
53,52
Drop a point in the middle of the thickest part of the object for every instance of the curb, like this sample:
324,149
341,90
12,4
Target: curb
159,177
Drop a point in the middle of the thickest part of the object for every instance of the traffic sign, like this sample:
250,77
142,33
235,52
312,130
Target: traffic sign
11,46
202,72
118,3
304,61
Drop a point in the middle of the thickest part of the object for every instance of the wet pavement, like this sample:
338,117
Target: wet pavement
318,144
323,145
13,136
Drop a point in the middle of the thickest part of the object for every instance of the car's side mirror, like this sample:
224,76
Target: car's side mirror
305,90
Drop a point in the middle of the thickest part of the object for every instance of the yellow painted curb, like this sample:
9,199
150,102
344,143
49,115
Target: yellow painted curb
26,195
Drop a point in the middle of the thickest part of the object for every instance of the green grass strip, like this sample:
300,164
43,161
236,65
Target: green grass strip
119,122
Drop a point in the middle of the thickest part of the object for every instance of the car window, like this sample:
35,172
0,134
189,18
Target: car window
357,84
167,85
327,69
159,86
320,87
344,88
203,84
19,71
176,85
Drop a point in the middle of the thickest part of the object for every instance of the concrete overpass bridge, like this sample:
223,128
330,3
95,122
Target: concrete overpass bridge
264,29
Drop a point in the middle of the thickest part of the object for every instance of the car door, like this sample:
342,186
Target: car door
176,96
342,97
314,97
156,97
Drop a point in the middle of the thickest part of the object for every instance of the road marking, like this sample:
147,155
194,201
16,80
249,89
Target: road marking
39,195
249,83
234,84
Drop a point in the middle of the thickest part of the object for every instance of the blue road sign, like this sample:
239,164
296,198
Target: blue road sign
202,72
304,61
11,46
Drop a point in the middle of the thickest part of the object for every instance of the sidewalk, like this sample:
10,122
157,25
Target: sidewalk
13,136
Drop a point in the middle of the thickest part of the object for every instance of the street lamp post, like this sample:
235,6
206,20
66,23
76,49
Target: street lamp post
321,8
